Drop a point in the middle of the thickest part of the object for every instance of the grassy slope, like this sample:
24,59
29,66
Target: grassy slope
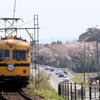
44,89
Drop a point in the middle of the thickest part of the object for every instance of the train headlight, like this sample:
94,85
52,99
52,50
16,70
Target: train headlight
10,67
10,41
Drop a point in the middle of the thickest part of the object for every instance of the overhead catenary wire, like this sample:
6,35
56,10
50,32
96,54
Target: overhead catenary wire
26,23
14,15
14,9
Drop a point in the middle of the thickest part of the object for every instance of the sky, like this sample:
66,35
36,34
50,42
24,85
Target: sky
63,20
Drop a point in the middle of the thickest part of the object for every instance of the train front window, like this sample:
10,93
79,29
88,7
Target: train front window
19,55
4,55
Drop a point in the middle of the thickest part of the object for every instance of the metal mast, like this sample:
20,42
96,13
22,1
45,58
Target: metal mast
36,38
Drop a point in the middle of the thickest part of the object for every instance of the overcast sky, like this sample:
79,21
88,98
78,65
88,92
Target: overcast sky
61,20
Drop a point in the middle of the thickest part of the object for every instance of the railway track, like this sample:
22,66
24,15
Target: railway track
14,96
2,97
24,95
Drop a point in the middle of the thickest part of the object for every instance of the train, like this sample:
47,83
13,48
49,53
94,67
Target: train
14,61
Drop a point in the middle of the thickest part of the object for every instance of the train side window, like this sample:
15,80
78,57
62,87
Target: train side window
19,55
4,55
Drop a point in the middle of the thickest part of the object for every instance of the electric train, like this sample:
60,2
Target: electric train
14,61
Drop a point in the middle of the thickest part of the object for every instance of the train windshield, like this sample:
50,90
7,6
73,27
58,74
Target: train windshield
19,55
4,55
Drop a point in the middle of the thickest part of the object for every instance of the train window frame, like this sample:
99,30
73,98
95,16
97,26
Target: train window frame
19,53
5,58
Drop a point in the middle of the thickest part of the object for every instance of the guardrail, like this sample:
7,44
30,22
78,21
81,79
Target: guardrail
79,91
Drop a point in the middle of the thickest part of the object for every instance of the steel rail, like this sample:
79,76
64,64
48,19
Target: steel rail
1,96
24,95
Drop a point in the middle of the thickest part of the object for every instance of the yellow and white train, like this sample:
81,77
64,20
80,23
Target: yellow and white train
14,60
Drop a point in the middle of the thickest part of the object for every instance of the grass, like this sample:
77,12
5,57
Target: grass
48,94
76,79
79,77
86,73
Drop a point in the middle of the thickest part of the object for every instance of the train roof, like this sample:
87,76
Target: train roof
11,37
15,42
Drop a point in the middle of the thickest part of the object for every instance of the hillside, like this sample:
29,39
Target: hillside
71,55
91,34
79,56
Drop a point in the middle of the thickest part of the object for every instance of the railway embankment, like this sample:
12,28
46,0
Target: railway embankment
42,88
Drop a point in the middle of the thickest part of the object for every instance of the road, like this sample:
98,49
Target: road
54,79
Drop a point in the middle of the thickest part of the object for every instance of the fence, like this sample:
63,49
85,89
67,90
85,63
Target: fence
79,91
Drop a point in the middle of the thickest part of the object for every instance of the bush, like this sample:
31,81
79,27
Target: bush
41,80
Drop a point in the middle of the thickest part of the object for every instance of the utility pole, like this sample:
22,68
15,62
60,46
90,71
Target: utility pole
84,62
97,59
88,62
